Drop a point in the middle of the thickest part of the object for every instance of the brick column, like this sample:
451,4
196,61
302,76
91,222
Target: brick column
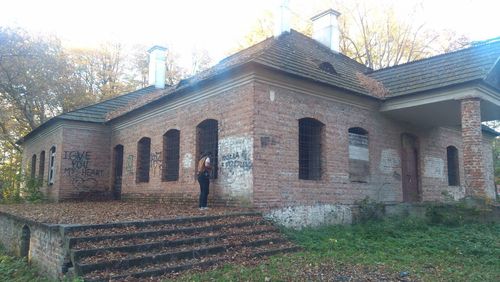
474,165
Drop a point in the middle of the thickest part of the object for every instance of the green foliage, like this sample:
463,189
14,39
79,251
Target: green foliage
22,189
10,183
17,269
14,269
468,210
31,190
369,210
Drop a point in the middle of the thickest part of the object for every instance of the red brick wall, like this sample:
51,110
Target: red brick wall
258,147
474,166
231,107
43,141
276,181
85,161
279,106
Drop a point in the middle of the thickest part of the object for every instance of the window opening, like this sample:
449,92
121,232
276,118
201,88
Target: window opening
171,144
310,131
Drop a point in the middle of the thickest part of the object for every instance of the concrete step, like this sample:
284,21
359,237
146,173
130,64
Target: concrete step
161,270
126,227
158,248
81,255
113,239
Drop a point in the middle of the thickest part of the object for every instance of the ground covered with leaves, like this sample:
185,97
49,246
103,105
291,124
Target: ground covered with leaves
106,212
392,250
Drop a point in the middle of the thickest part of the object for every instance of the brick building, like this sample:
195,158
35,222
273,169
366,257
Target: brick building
291,123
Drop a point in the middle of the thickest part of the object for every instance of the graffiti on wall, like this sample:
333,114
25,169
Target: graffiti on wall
79,171
129,165
187,161
236,162
156,162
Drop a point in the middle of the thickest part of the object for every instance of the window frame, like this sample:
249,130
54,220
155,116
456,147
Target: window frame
310,148
143,164
171,155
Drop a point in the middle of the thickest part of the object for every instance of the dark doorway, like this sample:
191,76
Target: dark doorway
409,166
117,182
25,241
208,140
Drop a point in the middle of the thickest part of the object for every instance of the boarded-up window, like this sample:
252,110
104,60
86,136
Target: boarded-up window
310,131
143,158
52,167
171,142
41,166
207,140
359,158
33,166
453,172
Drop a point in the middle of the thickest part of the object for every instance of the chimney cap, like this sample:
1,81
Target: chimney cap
324,13
157,47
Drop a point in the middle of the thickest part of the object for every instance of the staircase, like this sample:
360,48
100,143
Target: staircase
156,250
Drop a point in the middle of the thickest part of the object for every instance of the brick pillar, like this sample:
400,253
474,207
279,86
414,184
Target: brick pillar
474,165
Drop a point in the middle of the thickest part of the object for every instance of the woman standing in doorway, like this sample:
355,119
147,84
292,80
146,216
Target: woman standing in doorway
204,168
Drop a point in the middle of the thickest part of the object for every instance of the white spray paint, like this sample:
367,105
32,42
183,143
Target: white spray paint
187,161
298,217
236,162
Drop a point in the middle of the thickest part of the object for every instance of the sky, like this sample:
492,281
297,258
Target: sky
214,25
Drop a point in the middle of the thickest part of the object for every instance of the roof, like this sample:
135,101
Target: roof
296,54
96,113
301,56
489,130
462,66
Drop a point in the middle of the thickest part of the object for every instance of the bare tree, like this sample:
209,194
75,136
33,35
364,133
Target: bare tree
200,60
373,33
102,70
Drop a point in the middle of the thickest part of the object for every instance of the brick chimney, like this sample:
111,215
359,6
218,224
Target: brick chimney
157,66
326,29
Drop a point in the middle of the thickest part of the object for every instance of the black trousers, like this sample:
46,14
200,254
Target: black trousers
204,181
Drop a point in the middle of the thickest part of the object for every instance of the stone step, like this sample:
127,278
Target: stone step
211,257
178,253
76,242
133,247
126,227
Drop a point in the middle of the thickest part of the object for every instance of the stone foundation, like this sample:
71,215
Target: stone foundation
44,244
297,217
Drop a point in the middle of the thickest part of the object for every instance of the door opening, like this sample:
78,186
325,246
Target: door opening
409,167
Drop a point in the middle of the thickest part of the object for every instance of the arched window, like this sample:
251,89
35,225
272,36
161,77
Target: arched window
33,166
359,156
310,132
171,143
452,160
207,140
41,166
143,159
52,168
